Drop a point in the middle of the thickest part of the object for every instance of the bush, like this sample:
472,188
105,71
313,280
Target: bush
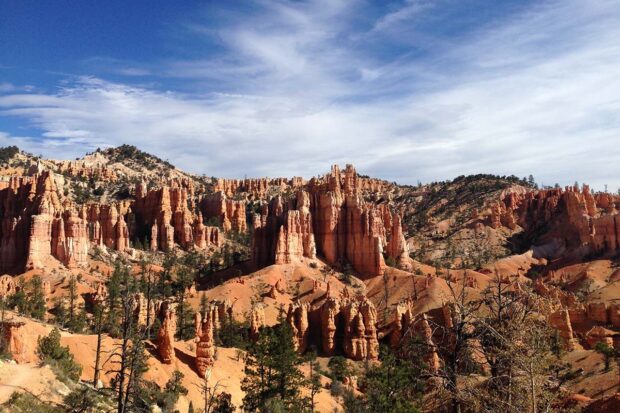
58,357
28,403
339,368
8,152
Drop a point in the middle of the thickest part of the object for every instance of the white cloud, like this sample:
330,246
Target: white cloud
296,90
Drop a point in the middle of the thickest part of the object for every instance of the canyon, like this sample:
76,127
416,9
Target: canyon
349,263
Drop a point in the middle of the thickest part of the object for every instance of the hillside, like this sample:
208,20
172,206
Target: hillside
351,268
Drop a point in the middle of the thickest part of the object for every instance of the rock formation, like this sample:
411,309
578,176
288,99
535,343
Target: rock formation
205,342
7,286
257,320
352,324
561,321
583,222
360,333
600,334
330,314
15,341
332,218
297,318
165,336
423,330
230,213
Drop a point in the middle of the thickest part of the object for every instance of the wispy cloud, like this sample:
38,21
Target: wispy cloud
295,86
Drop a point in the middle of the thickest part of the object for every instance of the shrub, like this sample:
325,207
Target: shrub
28,403
58,357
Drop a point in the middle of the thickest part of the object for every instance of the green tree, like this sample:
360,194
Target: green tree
36,302
394,385
72,299
58,357
223,404
607,351
172,391
339,368
272,371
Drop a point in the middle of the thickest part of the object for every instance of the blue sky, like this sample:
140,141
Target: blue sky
405,90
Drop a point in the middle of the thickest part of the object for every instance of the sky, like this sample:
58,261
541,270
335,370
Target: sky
407,91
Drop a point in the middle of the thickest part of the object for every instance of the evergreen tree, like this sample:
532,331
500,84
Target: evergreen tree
58,357
314,381
185,276
112,322
72,299
272,371
223,404
607,351
394,386
60,312
36,302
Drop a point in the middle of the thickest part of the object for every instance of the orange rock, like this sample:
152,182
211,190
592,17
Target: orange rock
7,286
165,336
297,318
257,320
230,213
205,342
16,342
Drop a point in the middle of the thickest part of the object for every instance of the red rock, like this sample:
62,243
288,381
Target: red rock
205,343
165,336
257,320
561,321
230,213
330,218
330,314
600,334
360,334
7,286
597,312
297,318
16,342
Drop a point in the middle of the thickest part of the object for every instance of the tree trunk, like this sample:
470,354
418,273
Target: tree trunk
98,353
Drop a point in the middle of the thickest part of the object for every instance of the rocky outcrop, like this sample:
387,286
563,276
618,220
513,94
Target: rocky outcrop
331,218
256,188
257,321
597,312
562,322
230,213
205,342
15,341
165,336
165,215
350,324
422,329
360,332
297,318
295,237
402,322
330,317
600,334
582,222
8,286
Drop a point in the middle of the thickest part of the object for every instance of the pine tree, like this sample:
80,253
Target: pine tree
395,385
314,381
36,302
185,278
148,291
112,322
272,371
60,312
72,299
